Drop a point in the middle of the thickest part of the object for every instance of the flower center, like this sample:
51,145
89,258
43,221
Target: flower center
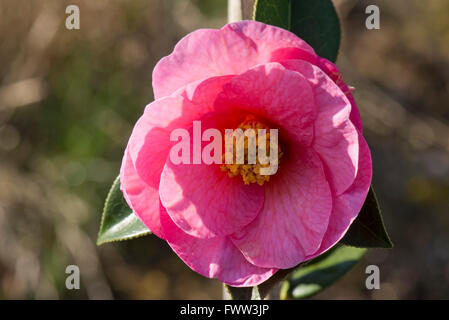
251,151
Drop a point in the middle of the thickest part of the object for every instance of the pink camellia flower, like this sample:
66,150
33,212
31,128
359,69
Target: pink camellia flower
223,226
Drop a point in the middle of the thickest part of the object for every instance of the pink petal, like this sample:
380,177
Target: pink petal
335,74
292,53
204,201
199,55
347,206
214,258
149,146
149,143
336,138
282,97
231,50
268,39
291,226
142,198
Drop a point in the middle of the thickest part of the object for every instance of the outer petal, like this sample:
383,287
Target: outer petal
336,138
204,202
294,53
231,50
149,143
142,198
268,39
291,226
335,74
283,97
347,206
214,258
149,146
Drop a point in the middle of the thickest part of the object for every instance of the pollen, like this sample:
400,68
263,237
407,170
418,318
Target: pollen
254,144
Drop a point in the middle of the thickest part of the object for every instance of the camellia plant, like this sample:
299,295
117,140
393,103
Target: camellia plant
306,222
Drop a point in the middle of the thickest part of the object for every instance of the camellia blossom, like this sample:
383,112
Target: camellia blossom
229,222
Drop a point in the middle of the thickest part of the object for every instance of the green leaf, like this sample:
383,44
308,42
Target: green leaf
118,221
368,229
314,276
265,287
315,21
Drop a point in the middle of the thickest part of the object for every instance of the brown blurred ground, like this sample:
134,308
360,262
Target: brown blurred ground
68,100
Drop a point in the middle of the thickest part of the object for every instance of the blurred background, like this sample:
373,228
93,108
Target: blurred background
69,99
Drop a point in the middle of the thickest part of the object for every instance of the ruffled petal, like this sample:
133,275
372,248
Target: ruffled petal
336,138
282,97
149,145
334,73
209,52
291,226
214,258
347,205
268,39
293,53
204,202
142,198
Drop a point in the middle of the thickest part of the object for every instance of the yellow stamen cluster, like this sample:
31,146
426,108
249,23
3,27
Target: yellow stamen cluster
250,173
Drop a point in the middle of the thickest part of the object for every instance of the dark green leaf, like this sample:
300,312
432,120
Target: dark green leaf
368,229
118,221
265,287
314,276
315,21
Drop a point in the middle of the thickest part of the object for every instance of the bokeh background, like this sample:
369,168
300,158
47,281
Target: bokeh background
69,98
